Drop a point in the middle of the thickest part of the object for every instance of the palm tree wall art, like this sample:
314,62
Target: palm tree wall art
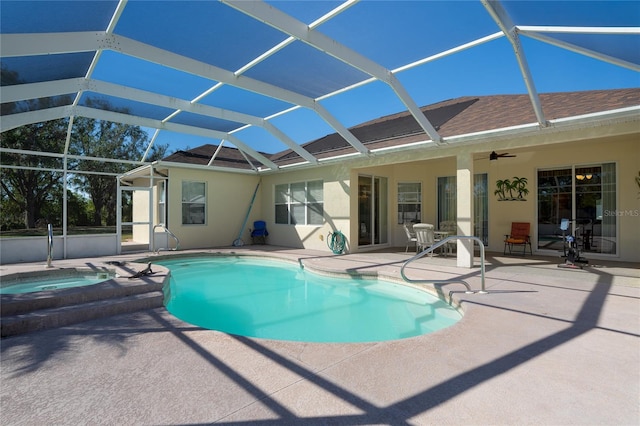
514,189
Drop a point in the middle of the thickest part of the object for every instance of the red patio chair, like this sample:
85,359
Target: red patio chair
519,236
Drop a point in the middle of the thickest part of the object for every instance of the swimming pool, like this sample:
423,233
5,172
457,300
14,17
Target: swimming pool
280,300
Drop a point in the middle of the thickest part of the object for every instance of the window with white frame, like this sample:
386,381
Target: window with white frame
194,201
409,202
300,203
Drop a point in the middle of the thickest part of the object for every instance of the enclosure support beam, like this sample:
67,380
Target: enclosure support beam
538,33
503,20
270,15
65,166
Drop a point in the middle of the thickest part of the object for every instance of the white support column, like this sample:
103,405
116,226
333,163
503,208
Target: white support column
65,197
152,204
118,217
465,208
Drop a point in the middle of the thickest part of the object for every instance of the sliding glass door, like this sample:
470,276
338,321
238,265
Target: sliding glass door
372,210
587,196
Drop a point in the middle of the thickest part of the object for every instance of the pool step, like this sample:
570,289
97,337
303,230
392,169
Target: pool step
14,304
28,312
60,316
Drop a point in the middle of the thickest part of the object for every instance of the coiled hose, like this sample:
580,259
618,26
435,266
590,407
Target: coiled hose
336,242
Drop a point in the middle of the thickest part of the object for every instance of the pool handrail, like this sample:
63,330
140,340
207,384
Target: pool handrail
166,230
49,245
453,280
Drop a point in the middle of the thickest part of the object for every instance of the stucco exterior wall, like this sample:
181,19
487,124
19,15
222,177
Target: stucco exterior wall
624,151
337,192
228,196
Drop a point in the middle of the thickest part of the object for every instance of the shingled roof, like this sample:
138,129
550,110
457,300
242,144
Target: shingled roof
227,157
453,117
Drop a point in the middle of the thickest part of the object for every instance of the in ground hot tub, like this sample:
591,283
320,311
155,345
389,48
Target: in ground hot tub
35,281
36,300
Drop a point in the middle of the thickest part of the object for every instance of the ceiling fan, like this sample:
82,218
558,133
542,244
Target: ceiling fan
495,156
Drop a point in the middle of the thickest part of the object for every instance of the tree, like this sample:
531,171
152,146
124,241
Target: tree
105,139
29,190
32,186
27,181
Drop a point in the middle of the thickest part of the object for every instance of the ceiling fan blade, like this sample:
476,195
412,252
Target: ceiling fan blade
494,155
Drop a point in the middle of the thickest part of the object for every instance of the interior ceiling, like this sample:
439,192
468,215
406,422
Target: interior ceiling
261,74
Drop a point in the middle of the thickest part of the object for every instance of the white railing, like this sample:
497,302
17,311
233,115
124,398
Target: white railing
171,234
49,245
452,280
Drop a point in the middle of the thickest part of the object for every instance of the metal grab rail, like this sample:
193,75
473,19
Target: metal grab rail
166,230
49,245
453,280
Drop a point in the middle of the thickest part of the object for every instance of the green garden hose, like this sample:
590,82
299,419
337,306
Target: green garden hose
336,242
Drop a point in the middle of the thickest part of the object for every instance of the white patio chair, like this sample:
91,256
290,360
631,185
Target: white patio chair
411,236
425,236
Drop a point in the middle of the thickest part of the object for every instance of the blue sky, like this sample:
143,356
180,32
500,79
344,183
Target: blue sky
474,72
391,33
490,68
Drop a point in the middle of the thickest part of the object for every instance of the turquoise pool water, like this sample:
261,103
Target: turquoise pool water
278,300
32,285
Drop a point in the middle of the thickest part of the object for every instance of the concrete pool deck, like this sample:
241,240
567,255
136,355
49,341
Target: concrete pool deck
545,346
